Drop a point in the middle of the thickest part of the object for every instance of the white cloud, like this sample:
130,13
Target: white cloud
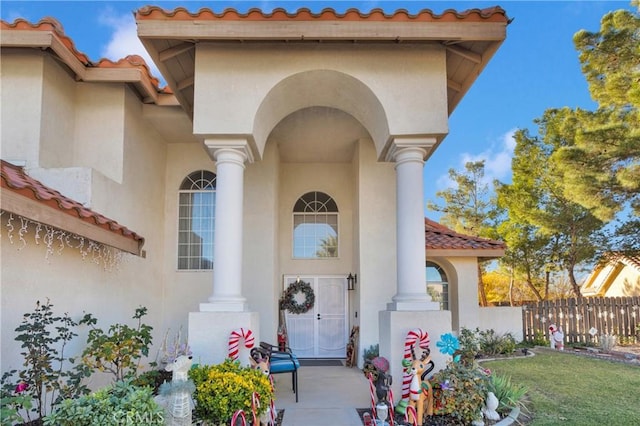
124,39
497,161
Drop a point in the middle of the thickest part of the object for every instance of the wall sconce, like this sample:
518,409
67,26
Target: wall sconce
351,281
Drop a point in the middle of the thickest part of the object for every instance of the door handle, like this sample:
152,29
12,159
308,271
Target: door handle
319,317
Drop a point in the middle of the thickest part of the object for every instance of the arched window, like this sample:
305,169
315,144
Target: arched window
196,217
315,226
438,285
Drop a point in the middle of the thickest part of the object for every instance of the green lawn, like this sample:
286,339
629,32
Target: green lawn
566,389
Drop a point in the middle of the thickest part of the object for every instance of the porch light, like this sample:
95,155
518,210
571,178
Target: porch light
352,279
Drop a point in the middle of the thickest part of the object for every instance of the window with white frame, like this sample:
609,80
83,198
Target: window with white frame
196,218
438,285
315,226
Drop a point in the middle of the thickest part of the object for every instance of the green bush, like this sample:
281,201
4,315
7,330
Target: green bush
47,377
460,391
540,338
119,351
121,404
223,389
508,393
469,346
372,352
492,343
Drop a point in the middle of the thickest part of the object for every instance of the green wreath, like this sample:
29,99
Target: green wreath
289,302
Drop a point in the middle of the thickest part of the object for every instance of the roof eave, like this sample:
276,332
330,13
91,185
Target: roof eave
483,254
15,203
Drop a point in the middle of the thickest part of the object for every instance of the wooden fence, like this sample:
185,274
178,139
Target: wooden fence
583,319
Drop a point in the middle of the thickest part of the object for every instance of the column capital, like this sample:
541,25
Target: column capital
216,147
415,145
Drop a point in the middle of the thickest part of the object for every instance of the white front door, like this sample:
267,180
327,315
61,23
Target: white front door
322,332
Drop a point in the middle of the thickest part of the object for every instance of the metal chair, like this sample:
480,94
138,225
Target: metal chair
283,361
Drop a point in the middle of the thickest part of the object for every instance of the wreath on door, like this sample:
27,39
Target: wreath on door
289,302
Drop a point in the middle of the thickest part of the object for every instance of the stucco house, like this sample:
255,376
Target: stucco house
617,276
286,146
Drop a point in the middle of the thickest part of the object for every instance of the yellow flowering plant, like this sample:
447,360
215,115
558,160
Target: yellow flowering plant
223,389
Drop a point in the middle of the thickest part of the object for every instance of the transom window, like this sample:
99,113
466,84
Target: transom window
196,218
438,285
315,226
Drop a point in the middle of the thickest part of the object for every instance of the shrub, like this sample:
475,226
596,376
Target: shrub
469,346
540,338
223,389
372,352
460,391
45,379
492,343
509,394
116,405
119,350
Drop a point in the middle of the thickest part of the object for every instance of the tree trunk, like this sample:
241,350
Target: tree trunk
481,292
533,287
574,284
511,288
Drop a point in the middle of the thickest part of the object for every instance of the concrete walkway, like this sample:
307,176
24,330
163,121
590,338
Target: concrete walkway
327,396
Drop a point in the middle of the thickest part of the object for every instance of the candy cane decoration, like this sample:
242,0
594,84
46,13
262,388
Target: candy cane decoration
373,398
391,405
234,341
237,414
417,335
412,411
272,414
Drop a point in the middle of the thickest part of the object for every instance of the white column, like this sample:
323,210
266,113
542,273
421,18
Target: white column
227,243
411,292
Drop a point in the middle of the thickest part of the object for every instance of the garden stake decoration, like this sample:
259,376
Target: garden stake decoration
238,415
234,341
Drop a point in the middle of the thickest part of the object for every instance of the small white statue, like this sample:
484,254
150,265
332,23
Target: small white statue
491,406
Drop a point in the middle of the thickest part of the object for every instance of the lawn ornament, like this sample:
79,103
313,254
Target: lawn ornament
556,337
234,341
175,396
259,360
491,406
421,338
420,390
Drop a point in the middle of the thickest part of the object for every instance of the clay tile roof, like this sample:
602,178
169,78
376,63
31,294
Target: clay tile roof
496,14
438,236
14,179
52,25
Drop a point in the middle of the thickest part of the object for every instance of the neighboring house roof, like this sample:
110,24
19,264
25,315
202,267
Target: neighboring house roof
49,34
618,275
470,38
27,197
442,241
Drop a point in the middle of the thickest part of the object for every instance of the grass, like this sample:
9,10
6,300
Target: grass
565,389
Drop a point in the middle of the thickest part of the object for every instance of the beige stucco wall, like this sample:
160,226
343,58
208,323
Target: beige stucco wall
21,97
376,219
230,91
125,183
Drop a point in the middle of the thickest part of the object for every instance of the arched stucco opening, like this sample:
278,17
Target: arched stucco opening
321,88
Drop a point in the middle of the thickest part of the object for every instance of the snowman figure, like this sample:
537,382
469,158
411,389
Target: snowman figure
556,337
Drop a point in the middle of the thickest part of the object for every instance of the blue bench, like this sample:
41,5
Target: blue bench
283,362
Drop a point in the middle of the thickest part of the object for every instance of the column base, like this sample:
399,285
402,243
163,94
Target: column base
412,302
223,307
393,329
209,334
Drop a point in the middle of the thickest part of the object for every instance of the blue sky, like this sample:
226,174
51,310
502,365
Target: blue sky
536,67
